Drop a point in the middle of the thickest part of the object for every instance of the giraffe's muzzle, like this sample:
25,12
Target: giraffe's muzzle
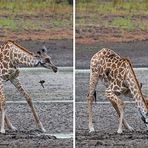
54,68
50,66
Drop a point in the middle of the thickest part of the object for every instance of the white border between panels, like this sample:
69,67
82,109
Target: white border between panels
74,127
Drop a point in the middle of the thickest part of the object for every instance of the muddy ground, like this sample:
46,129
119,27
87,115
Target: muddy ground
53,86
106,124
105,118
136,51
57,117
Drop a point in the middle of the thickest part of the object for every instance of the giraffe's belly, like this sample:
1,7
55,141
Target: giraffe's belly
124,90
10,74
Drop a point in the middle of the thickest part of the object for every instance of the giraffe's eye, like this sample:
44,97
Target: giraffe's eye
47,60
38,52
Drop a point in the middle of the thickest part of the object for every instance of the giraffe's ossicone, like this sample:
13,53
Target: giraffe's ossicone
12,56
118,76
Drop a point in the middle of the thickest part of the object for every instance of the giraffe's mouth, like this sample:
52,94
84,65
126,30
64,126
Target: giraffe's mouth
54,68
50,66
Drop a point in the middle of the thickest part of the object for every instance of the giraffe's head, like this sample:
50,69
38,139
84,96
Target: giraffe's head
144,113
45,60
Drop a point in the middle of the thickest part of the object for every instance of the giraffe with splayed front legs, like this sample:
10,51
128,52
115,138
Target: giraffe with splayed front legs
12,56
118,76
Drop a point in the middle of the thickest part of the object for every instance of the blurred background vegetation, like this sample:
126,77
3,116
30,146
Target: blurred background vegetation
119,16
26,17
130,13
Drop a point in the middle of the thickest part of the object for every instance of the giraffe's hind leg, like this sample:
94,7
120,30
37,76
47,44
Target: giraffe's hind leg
19,87
125,123
90,98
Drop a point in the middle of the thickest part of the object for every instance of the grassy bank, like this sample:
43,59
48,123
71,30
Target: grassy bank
119,17
36,18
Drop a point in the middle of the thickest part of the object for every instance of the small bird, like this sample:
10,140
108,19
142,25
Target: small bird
42,83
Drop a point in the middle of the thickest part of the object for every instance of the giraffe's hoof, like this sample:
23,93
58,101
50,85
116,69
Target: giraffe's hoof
91,130
14,128
43,129
130,128
40,125
119,131
2,131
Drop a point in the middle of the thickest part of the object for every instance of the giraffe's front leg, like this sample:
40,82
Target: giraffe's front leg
2,109
18,85
9,124
120,105
125,123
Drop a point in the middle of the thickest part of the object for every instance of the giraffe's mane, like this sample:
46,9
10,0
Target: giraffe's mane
131,67
22,48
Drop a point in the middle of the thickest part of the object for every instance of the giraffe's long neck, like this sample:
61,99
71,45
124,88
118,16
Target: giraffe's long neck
22,57
135,88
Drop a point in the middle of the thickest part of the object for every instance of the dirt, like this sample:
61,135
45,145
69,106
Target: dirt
37,35
94,34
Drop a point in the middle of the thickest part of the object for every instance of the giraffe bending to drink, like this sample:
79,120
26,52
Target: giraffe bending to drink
11,56
118,76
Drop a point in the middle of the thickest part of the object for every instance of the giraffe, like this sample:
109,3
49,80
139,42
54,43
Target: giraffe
119,78
12,56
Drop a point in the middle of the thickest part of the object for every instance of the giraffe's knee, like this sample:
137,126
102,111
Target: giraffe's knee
108,94
29,101
121,104
90,98
2,105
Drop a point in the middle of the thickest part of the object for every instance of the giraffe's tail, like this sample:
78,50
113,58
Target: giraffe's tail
95,96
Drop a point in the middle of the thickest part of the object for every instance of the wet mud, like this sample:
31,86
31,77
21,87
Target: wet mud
102,139
32,139
53,87
106,123
136,51
105,118
56,118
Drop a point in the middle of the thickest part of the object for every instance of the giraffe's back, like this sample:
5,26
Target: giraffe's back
103,59
109,67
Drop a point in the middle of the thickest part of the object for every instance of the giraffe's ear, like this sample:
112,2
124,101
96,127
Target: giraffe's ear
38,52
146,105
146,100
141,85
44,49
